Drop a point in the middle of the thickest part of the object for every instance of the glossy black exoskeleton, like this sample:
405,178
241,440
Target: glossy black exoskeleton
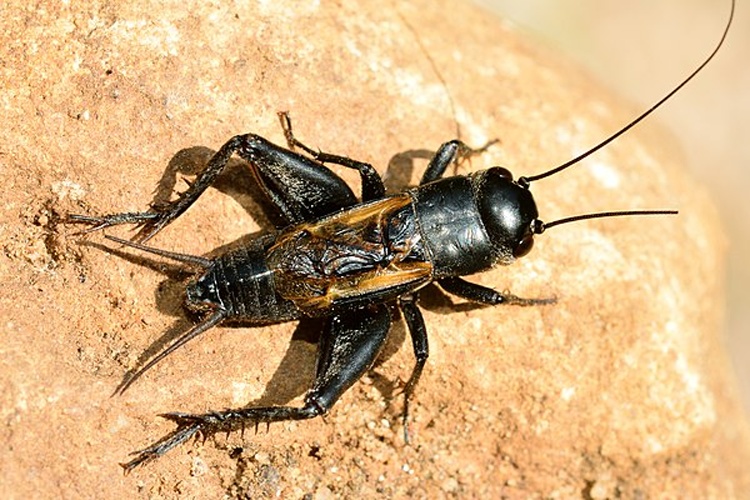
348,260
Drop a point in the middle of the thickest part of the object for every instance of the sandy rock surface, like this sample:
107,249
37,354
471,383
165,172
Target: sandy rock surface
621,389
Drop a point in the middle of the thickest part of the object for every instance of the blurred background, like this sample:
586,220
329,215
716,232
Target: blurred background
641,50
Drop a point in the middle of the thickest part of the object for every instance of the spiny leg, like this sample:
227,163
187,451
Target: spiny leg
484,295
155,219
189,425
418,332
299,187
372,184
349,346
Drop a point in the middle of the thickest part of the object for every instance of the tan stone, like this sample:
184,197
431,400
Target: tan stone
620,389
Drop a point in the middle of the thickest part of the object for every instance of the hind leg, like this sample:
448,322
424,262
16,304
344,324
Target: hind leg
348,347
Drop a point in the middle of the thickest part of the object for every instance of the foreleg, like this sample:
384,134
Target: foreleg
484,295
450,152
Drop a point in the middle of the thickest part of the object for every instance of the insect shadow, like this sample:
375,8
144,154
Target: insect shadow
296,369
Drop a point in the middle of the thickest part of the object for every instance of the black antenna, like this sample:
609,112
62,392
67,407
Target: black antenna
524,181
538,227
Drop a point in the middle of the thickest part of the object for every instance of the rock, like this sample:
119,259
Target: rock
621,388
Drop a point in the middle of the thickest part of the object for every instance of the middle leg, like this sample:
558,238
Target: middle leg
372,184
418,332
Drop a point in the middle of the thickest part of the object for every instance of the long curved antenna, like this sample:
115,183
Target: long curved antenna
531,178
539,227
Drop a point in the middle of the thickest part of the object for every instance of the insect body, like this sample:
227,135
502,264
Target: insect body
343,260
348,260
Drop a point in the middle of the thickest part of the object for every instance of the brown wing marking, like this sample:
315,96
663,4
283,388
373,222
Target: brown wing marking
383,284
345,256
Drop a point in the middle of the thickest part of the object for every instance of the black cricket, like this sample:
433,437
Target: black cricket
348,260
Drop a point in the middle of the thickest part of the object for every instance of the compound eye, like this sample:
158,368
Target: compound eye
524,246
502,172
